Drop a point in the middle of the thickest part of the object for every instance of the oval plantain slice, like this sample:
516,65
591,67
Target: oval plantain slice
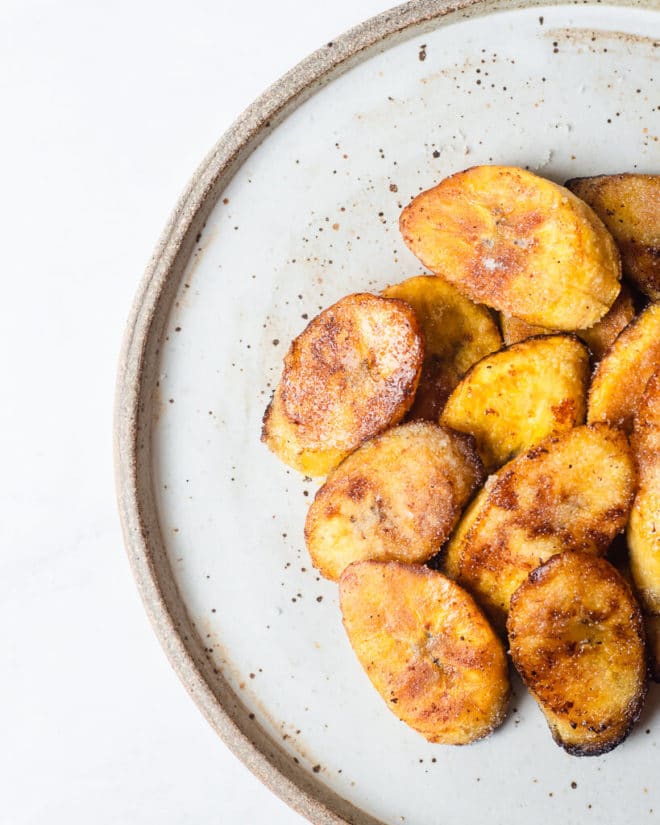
629,206
599,338
577,639
457,334
643,532
351,373
397,497
621,376
513,399
518,243
427,649
572,492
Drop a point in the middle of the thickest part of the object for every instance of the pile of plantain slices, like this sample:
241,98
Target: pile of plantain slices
498,419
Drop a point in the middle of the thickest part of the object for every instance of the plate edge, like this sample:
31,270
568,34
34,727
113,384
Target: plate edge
131,443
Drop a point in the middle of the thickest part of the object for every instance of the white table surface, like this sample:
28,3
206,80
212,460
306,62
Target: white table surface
105,111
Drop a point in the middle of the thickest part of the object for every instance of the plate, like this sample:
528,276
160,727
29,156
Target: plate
296,206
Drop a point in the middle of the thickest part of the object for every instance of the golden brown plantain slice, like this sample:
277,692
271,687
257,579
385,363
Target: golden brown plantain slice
513,399
577,639
621,376
457,334
516,242
629,206
599,338
350,374
644,527
572,492
396,498
427,649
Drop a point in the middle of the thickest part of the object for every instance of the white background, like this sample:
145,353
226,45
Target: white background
105,111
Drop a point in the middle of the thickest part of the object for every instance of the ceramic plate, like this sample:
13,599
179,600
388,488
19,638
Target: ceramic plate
298,205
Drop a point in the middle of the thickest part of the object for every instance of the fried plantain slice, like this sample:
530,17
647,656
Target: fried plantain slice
457,334
577,639
350,374
643,532
427,649
621,376
572,492
599,338
396,498
513,399
629,206
518,243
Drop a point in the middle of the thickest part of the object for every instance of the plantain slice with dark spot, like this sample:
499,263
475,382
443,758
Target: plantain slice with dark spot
396,498
516,242
427,649
577,639
349,375
571,492
629,206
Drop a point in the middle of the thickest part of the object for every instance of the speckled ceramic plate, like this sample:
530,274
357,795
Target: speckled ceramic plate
296,206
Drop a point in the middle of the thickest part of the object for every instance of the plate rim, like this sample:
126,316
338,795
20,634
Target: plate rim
138,359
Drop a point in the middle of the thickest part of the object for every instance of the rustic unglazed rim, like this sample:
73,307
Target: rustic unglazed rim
137,375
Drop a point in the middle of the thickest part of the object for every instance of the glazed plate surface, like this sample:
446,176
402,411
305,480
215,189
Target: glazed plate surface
298,208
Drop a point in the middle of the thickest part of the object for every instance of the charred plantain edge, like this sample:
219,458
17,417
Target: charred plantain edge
265,420
601,748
